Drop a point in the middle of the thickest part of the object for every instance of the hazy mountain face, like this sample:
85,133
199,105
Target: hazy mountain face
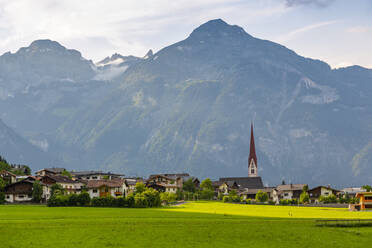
189,106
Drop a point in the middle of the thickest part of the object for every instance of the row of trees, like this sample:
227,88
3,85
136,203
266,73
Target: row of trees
22,170
142,198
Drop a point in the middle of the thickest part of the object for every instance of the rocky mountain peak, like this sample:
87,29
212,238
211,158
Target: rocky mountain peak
218,28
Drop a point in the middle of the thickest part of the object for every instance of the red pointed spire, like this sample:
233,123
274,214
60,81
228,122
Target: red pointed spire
252,149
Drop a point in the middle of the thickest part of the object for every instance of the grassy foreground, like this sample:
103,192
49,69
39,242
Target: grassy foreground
189,225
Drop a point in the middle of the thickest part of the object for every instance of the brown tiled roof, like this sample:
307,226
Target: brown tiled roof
284,187
109,183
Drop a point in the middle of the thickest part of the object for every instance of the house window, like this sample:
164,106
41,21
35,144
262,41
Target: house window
94,177
326,193
94,191
7,197
252,171
21,196
285,194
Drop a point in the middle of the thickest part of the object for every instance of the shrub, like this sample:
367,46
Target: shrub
140,201
152,198
226,198
271,202
248,201
121,202
73,200
130,200
167,197
2,197
304,197
262,196
83,198
206,194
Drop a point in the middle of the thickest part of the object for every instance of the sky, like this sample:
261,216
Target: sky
338,32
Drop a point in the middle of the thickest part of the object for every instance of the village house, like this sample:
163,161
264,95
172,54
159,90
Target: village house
170,182
316,192
19,191
49,171
352,191
365,200
70,186
287,192
94,175
8,177
251,193
130,184
225,187
104,188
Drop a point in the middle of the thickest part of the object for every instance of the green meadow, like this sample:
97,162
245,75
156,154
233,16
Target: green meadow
196,224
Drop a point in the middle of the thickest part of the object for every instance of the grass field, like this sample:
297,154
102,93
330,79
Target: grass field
199,224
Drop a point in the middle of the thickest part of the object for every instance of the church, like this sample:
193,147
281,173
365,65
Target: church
253,181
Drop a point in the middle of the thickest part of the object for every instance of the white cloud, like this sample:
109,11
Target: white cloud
99,28
293,34
359,29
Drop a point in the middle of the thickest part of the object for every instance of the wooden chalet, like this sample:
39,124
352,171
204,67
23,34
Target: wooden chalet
104,188
19,191
319,191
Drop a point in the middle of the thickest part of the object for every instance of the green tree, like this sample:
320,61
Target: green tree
56,189
262,196
37,192
304,197
368,188
305,188
189,186
2,184
206,194
140,187
66,174
206,184
84,198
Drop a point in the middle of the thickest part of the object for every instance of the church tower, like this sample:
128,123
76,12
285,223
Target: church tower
252,159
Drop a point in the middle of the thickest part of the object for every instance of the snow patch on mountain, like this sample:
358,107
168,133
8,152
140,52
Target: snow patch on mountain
325,96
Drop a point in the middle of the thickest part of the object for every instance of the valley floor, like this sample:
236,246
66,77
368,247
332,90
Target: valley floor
197,224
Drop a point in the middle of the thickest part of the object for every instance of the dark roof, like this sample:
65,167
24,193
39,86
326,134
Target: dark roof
53,170
327,187
11,188
90,173
61,179
173,176
245,182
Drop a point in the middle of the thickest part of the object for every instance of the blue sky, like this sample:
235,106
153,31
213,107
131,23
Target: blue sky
336,31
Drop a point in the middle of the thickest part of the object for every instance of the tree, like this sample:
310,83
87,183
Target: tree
56,189
2,184
206,184
84,198
189,186
37,192
368,188
262,196
206,194
304,197
305,188
140,187
66,174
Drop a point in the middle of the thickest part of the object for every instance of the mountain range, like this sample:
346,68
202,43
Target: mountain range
188,108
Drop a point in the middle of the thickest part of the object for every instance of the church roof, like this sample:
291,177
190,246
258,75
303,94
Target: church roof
245,182
252,149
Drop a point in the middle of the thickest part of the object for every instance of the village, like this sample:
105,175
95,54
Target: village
181,186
